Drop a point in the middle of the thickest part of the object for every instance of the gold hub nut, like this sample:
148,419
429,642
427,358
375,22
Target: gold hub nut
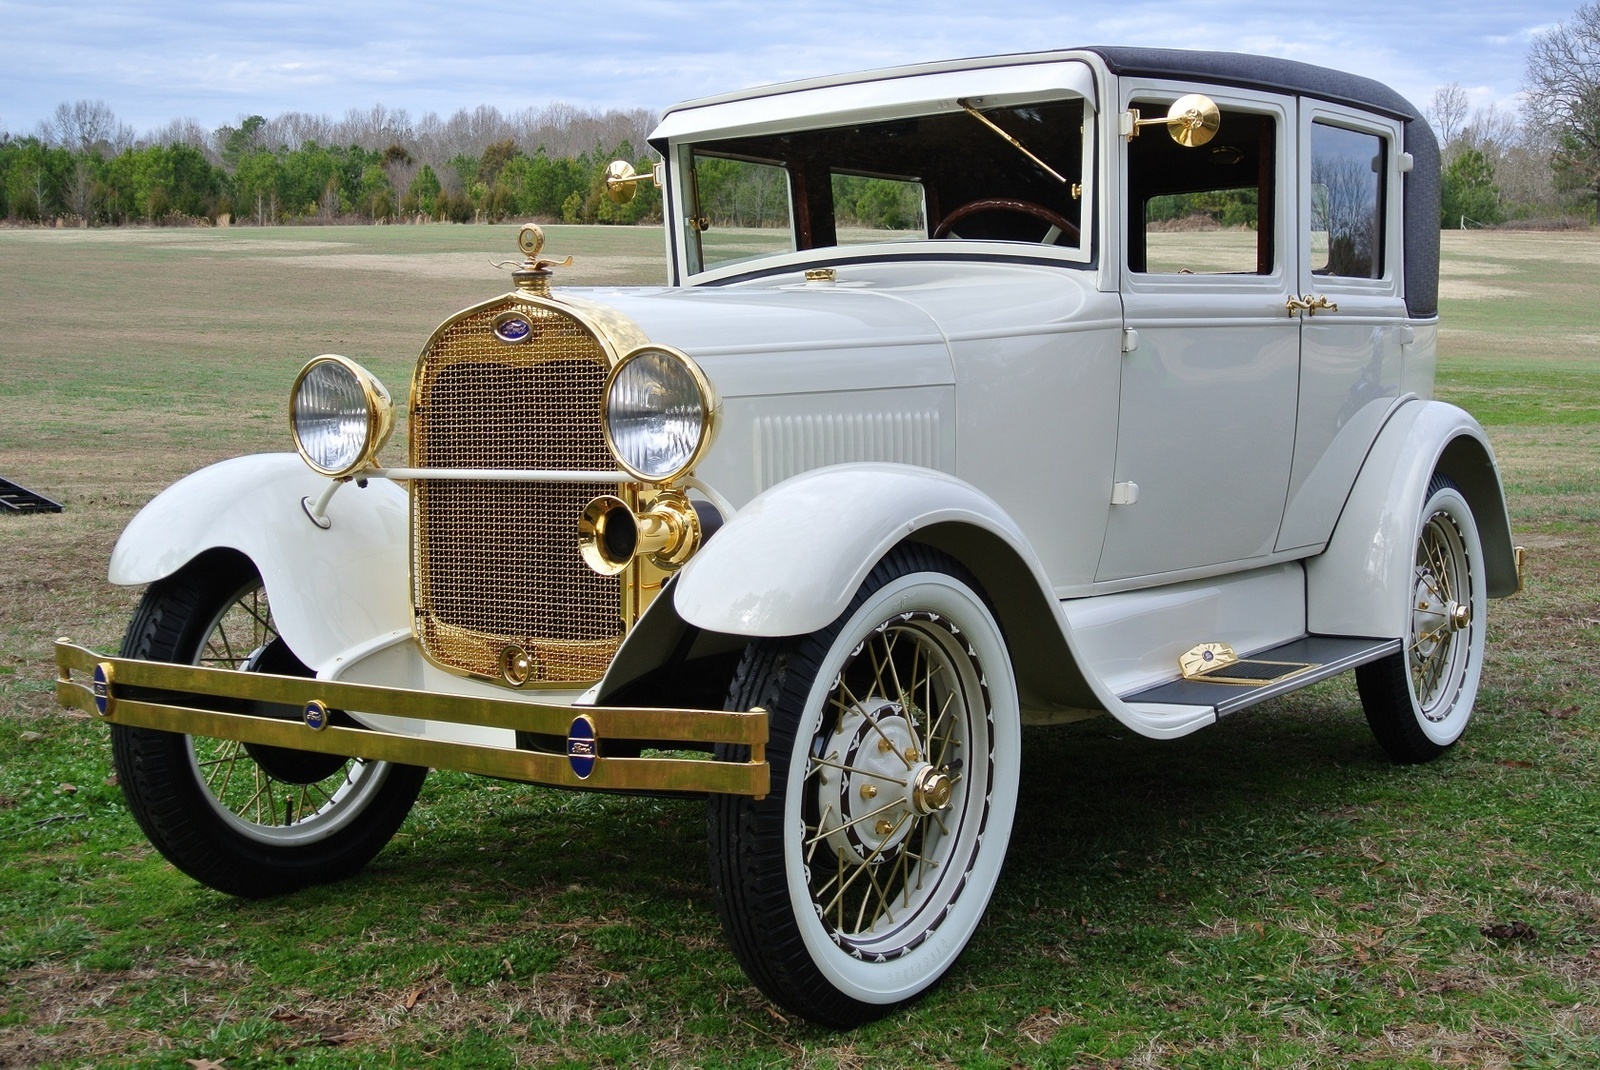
884,826
932,791
1460,616
868,791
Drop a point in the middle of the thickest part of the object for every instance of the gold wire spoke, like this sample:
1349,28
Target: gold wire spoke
859,868
861,708
254,801
1429,582
264,630
891,639
882,910
947,740
230,760
1439,565
811,845
824,763
853,822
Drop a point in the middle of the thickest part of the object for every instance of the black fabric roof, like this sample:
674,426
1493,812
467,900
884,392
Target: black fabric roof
1266,72
1421,227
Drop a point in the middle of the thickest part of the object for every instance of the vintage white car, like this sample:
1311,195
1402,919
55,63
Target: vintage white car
817,527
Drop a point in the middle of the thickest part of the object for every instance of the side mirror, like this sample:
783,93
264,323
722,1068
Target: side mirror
622,180
1191,121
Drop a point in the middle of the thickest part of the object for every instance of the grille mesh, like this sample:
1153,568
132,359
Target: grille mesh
497,563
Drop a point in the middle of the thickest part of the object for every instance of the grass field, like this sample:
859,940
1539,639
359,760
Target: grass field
1268,892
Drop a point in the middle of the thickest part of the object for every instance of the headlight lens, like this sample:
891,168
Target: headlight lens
657,415
340,413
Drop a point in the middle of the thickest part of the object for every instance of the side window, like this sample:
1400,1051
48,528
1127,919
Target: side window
742,209
1347,169
877,209
1205,210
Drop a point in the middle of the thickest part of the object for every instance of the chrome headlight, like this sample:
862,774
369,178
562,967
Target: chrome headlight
340,414
657,413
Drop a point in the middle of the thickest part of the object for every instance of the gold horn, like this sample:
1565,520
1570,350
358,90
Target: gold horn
665,529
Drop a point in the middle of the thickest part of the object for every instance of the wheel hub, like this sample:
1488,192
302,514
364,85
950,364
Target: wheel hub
876,802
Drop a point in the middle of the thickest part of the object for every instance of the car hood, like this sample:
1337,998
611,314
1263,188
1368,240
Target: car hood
874,326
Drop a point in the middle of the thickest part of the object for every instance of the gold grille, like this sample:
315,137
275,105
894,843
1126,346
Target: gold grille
496,564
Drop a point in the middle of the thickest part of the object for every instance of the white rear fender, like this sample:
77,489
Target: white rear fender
1359,585
331,589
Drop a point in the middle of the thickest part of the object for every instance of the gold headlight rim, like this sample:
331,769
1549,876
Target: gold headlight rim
708,412
380,415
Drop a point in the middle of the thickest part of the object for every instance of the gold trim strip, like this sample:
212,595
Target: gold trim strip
496,475
623,774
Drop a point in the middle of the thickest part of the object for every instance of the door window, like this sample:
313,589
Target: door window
1347,168
1206,210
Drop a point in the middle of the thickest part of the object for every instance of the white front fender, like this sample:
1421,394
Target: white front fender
790,561
331,589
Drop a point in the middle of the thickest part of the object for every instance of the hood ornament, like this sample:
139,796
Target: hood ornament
533,274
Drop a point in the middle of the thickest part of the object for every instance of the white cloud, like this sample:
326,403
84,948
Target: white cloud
155,61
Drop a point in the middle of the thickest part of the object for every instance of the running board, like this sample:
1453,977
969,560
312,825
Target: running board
1294,665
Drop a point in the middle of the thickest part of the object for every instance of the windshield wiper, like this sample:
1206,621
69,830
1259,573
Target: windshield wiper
1013,142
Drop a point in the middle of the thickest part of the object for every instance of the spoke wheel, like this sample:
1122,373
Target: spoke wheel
856,883
247,819
1418,701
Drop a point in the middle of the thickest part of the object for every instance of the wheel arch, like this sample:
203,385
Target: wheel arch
1353,587
331,589
790,561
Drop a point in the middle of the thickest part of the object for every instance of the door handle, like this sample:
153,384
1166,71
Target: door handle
1309,305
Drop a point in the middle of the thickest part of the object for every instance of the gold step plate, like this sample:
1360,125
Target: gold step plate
1216,663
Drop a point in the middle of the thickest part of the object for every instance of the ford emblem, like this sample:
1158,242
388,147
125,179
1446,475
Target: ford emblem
512,327
102,689
583,748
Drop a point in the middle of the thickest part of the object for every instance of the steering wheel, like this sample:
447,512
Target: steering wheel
1060,226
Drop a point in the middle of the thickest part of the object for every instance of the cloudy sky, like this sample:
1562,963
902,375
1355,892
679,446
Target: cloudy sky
215,61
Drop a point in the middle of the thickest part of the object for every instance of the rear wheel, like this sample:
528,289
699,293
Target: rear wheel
894,747
1418,701
246,819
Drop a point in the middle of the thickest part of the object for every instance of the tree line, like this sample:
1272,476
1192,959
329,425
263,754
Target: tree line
84,166
378,165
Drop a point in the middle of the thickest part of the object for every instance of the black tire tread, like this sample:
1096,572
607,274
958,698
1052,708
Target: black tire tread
161,789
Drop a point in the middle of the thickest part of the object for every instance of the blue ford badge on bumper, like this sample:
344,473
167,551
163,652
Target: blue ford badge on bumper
582,746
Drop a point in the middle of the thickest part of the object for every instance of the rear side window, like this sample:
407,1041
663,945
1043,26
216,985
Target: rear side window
1347,169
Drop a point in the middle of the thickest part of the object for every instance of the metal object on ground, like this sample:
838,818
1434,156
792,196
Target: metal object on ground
19,499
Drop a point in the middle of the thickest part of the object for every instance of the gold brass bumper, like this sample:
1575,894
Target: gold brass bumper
281,711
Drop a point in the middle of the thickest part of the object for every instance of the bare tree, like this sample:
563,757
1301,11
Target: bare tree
86,126
185,132
1448,112
1563,93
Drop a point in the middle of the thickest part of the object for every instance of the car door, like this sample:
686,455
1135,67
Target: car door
1210,372
1353,326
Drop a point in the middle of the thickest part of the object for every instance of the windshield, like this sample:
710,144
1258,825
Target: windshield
972,173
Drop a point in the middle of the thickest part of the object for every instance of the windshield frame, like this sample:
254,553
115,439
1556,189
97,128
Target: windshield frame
918,96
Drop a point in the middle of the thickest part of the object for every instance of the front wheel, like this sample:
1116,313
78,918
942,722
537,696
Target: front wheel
246,819
894,747
1418,701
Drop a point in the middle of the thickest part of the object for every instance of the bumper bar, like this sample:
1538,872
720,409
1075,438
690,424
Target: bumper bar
304,714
